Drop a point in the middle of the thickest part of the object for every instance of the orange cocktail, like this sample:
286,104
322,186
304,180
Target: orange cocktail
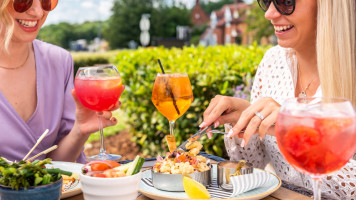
172,95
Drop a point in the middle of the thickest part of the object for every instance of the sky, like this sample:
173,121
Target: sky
78,11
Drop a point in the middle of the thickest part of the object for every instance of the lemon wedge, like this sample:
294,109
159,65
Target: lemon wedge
194,189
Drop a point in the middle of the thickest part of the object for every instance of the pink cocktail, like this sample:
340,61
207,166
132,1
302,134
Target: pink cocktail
98,94
317,136
99,89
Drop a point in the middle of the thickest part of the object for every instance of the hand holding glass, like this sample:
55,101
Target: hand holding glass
317,136
99,89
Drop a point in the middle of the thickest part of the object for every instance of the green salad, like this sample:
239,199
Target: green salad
25,174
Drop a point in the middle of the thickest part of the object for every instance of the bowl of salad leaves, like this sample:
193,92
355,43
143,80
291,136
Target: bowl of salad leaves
26,180
104,179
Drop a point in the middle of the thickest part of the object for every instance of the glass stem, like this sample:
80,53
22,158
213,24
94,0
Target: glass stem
102,145
317,188
171,127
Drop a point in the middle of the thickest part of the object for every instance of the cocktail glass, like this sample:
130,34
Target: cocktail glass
172,95
317,136
99,88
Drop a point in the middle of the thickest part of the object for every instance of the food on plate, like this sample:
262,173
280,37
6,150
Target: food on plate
25,174
182,162
194,189
112,169
69,181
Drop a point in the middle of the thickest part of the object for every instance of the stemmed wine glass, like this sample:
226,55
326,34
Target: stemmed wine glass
317,136
172,95
99,88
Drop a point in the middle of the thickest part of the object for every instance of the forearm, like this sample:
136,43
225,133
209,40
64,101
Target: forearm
71,146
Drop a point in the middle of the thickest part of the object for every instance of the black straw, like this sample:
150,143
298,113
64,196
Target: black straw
169,89
160,64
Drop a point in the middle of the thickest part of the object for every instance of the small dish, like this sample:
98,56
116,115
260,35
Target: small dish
73,189
174,182
50,191
95,188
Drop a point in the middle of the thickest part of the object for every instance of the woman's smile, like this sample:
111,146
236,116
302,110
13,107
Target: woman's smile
27,25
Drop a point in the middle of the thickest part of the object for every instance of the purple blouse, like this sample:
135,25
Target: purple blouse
55,108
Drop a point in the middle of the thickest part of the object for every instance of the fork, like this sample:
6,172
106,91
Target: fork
221,132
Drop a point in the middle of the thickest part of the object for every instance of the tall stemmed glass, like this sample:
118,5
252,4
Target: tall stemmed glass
172,95
99,88
317,136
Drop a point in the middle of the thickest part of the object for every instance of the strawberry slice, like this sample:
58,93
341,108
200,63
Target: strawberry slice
300,139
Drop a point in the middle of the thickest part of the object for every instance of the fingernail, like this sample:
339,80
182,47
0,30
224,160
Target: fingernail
202,125
216,124
230,133
243,143
210,135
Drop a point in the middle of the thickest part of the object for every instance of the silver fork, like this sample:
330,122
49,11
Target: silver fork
221,132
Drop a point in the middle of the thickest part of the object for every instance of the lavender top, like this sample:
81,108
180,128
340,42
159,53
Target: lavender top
55,108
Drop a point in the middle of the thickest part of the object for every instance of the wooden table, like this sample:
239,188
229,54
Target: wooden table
280,194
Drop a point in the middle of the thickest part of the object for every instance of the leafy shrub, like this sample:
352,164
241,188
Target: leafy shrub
212,71
82,59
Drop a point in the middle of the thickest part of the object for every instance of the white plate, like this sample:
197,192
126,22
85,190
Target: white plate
71,167
258,193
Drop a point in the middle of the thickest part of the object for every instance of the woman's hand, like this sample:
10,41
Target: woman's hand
223,109
267,108
87,120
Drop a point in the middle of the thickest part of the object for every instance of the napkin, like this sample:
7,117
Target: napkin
247,182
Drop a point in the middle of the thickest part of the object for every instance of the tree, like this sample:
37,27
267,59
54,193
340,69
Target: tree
211,6
63,33
123,25
258,25
165,20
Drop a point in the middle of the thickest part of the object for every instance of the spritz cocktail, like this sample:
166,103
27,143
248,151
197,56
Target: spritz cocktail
99,89
317,136
172,95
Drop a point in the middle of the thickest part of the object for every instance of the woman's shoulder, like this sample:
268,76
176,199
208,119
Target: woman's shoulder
50,51
277,55
278,52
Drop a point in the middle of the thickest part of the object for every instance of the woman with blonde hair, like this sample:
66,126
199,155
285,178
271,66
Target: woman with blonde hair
36,88
315,56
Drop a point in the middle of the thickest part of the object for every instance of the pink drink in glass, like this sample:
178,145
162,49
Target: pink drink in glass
98,94
316,145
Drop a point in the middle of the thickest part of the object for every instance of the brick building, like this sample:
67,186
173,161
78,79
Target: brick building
226,26
198,16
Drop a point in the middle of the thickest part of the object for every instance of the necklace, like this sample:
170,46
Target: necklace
303,93
14,68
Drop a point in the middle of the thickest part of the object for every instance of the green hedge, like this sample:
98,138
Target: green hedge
212,71
83,59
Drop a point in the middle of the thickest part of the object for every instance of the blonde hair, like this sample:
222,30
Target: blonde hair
336,48
8,24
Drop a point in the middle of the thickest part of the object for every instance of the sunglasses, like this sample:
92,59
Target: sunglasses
285,7
23,5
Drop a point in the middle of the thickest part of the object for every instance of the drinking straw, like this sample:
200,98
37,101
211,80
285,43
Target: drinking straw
169,90
160,64
38,142
44,152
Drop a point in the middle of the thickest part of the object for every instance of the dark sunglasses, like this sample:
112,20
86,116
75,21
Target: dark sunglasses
23,5
285,7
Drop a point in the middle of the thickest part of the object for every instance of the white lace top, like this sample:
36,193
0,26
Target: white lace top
276,77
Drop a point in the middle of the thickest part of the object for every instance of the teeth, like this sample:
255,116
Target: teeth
29,24
282,28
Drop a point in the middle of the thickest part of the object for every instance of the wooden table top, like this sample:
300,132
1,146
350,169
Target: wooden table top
281,194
